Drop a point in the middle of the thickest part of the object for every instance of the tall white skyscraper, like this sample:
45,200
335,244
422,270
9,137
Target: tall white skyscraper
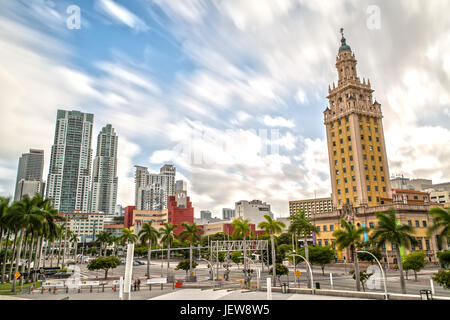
153,190
29,174
69,176
104,172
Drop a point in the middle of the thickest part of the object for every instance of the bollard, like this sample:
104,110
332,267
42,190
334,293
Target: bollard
42,290
150,287
269,288
432,287
331,281
91,289
115,288
162,286
54,290
67,289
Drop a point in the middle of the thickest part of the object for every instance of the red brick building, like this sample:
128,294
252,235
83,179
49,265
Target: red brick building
128,219
179,214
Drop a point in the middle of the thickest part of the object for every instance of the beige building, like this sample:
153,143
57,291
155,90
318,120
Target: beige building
212,228
441,197
359,168
157,217
85,225
311,206
356,148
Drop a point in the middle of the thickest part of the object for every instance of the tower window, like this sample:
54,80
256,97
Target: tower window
381,169
376,129
337,172
334,143
364,157
341,141
353,178
346,119
382,179
377,139
332,134
370,148
368,188
340,131
346,190
370,138
348,129
349,138
334,152
373,168
345,180
351,158
376,188
372,158
339,191
354,188
350,148
343,160
364,147
335,162
352,168
344,170
342,150
337,181
362,137
374,178
369,198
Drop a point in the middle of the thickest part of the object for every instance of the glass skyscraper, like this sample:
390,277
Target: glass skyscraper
29,174
68,183
104,173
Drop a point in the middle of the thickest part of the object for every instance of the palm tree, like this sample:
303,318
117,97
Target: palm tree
4,228
441,221
168,235
272,227
301,225
103,238
26,213
191,231
350,237
128,236
398,234
116,241
241,229
150,234
60,232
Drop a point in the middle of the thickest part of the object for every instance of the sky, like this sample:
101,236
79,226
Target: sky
231,92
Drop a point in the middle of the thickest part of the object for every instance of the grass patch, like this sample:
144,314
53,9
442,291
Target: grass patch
5,288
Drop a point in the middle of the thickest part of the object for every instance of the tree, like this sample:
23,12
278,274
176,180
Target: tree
128,236
236,257
280,270
241,230
301,226
350,237
25,213
363,277
140,250
441,224
284,238
5,227
148,234
272,227
104,263
321,256
363,256
103,238
281,251
191,232
442,278
398,234
444,258
186,265
415,261
168,235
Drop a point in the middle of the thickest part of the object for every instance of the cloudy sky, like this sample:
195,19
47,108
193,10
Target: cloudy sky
229,91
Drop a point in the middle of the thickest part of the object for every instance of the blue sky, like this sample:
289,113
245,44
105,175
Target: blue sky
199,83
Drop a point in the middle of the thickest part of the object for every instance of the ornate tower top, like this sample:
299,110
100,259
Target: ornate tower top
344,45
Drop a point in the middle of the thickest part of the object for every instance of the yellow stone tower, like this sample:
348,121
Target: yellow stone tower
356,148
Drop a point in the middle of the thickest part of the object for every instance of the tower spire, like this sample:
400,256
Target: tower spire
344,45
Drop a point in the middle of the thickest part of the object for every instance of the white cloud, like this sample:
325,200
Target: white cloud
277,122
121,14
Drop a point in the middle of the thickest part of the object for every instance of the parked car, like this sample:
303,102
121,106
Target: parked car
140,262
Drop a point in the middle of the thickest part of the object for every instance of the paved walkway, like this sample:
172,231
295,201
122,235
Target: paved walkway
198,294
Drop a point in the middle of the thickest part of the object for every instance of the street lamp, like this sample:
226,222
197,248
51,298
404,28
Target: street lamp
310,270
382,272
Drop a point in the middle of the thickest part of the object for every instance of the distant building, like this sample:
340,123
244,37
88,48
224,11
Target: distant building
253,210
201,221
85,225
29,174
228,214
69,177
180,210
153,190
205,214
311,206
114,229
104,173
410,184
119,210
286,221
180,185
225,227
441,197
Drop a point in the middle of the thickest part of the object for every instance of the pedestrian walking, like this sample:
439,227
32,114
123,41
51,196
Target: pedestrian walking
139,284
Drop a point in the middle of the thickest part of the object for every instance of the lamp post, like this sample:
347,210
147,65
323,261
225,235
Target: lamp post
310,270
382,272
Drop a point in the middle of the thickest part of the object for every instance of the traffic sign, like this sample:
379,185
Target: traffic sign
298,273
17,275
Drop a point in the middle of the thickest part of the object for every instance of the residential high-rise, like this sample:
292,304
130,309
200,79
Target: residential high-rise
68,183
104,173
29,174
153,190
356,148
311,206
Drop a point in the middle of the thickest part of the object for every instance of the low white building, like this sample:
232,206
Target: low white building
253,210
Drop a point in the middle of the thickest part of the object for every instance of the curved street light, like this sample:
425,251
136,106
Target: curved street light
211,266
382,272
310,270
